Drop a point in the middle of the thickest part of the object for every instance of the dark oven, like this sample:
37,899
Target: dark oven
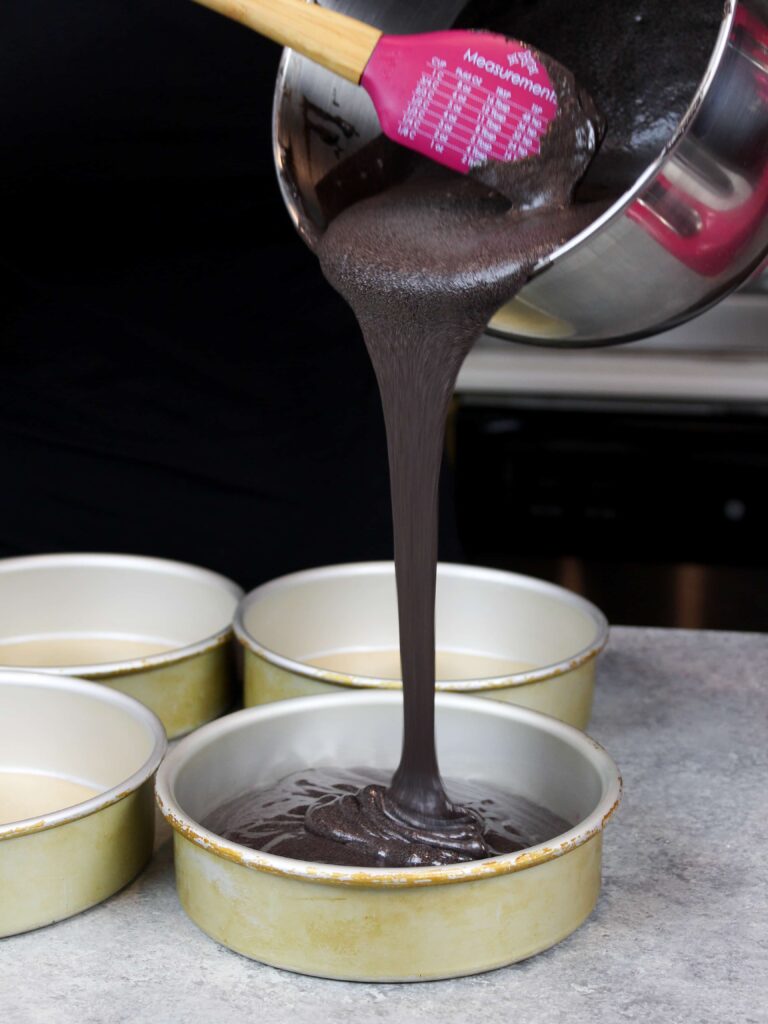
635,475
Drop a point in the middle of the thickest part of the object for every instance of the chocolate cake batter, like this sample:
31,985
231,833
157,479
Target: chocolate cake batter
273,820
424,265
640,60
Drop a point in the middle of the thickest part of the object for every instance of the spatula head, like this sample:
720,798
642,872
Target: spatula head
461,98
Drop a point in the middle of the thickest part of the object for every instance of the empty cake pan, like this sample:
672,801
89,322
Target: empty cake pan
157,630
77,762
498,634
388,924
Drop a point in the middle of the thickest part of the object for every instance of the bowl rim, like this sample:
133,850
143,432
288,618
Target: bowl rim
104,694
188,828
450,569
126,666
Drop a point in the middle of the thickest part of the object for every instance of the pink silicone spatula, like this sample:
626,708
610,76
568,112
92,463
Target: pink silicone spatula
459,97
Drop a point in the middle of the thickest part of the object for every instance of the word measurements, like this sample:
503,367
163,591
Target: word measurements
455,114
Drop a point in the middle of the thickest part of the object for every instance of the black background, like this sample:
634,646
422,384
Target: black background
175,376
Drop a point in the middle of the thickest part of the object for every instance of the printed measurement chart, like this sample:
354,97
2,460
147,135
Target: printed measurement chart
453,112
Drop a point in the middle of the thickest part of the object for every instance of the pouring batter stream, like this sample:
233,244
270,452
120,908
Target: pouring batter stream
424,265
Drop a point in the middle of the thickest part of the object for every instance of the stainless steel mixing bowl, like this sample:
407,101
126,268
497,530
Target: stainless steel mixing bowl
691,229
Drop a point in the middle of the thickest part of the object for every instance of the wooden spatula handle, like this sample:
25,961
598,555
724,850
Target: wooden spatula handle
338,42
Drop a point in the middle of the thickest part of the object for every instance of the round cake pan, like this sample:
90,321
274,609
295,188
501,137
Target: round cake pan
529,642
388,924
157,630
77,762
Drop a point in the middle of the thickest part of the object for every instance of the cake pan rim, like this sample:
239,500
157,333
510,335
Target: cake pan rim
127,666
83,809
457,569
183,824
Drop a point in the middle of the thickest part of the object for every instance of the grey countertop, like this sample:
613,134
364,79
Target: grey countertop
680,933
